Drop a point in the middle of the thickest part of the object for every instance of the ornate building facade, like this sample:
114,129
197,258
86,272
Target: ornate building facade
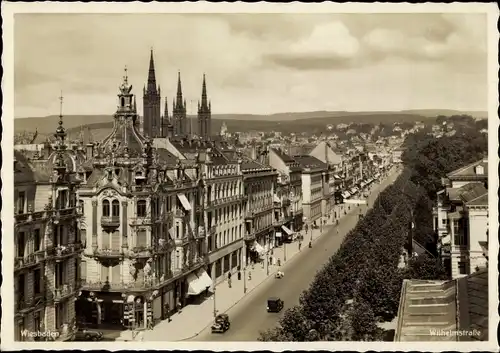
461,219
288,201
142,236
47,241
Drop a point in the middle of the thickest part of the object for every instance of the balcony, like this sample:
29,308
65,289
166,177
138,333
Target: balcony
64,291
61,252
110,223
108,253
65,213
139,285
25,218
25,261
139,252
182,241
22,304
165,217
249,236
140,221
212,230
249,215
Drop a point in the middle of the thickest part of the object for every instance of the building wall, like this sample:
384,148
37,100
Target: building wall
478,231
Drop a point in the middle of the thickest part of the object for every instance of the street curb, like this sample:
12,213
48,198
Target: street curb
328,227
250,291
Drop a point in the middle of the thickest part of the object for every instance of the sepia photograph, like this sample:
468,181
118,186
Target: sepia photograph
249,174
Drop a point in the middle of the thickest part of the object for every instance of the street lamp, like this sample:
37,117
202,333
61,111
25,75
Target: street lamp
215,300
244,279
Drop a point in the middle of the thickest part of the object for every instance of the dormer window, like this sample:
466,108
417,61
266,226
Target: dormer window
479,170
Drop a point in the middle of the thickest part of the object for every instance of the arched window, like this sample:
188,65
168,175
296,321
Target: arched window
115,208
141,208
105,208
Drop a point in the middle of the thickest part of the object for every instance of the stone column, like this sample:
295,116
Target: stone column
124,224
145,314
94,224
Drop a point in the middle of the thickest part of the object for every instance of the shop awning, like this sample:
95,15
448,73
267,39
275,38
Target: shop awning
259,249
198,282
346,194
185,202
276,198
336,176
287,230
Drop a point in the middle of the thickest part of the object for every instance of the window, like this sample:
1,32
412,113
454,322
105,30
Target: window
21,243
462,268
81,206
36,240
21,280
177,231
38,281
62,199
105,208
115,208
21,202
59,274
209,242
141,208
37,322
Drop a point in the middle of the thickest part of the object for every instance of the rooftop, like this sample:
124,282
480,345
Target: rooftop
307,161
428,308
471,170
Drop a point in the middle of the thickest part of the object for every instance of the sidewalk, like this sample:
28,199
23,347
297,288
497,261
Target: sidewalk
194,318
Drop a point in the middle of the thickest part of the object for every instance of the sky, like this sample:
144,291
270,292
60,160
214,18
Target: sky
254,63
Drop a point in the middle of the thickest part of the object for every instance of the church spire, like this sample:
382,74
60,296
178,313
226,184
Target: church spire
151,74
179,102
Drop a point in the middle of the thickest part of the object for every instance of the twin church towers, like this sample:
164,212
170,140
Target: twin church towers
157,125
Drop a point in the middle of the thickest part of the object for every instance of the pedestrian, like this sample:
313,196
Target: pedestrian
179,307
229,279
249,275
300,245
167,312
239,274
206,291
279,262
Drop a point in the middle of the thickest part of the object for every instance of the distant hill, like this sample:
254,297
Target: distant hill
101,125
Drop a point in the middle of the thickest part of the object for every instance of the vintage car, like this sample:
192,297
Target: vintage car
221,324
279,274
274,305
84,334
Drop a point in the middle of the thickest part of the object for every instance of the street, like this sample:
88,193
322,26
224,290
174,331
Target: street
249,316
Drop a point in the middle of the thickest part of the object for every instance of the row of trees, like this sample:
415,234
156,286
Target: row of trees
430,159
361,283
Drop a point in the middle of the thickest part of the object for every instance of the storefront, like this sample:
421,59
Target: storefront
287,234
198,282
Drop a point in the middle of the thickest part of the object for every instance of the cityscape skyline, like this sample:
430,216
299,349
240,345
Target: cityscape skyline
276,62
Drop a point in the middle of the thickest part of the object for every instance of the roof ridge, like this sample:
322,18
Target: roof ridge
465,167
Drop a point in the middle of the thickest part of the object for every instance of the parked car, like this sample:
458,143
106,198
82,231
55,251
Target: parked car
221,324
84,334
274,305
